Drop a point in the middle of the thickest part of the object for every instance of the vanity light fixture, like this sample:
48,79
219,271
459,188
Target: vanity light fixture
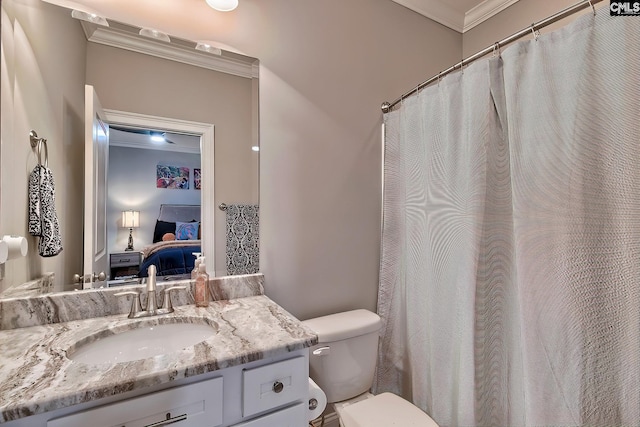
89,17
130,220
155,34
206,47
223,5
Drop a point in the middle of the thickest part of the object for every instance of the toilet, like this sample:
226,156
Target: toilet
343,364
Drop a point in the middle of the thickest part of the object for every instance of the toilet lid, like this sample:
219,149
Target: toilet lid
384,410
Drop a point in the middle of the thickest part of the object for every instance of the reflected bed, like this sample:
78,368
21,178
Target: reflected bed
176,238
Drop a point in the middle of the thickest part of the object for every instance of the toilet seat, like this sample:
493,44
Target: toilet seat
384,410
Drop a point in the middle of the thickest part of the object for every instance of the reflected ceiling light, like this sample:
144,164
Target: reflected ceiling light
223,5
205,47
89,17
158,137
155,34
255,148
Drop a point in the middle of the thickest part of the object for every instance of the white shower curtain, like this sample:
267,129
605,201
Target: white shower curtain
510,273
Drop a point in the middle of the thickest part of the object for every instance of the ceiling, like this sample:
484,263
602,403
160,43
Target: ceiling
174,141
460,15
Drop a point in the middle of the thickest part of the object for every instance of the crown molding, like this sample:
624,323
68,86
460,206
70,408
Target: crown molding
440,11
484,11
121,39
437,10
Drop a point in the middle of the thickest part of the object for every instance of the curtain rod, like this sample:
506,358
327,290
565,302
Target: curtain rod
386,106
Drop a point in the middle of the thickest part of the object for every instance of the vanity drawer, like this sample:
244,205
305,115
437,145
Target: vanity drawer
294,416
274,385
194,405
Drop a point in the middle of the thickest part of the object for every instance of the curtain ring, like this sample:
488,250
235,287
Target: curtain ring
439,73
535,32
496,49
592,7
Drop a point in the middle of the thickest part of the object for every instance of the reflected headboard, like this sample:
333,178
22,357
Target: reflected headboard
179,213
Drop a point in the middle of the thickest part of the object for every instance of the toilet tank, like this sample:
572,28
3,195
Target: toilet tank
344,360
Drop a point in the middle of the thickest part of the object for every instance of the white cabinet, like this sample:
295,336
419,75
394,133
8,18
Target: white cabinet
194,405
271,392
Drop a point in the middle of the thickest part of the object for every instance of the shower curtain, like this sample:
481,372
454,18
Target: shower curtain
510,266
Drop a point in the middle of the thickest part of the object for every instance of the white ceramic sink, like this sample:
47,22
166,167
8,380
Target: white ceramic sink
146,340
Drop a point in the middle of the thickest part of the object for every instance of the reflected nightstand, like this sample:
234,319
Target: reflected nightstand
124,264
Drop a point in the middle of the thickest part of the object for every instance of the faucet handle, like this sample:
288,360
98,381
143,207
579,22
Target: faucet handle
167,307
135,302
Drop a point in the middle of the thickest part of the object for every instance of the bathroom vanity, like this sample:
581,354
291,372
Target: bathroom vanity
251,370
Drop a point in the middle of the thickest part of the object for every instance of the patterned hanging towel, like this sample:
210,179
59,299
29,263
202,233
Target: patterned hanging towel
35,226
243,255
43,220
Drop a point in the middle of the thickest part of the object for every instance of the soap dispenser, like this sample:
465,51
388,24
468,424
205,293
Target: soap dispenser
202,285
194,272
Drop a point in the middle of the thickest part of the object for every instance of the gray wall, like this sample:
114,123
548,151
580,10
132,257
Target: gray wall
132,185
326,67
40,91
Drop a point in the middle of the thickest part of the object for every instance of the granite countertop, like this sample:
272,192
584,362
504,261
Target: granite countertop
37,377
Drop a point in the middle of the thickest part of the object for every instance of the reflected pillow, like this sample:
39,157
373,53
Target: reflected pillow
199,227
162,228
187,230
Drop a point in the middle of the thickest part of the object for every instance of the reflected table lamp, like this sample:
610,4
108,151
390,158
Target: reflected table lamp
130,220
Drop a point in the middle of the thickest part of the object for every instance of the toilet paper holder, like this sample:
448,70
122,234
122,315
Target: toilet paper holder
12,247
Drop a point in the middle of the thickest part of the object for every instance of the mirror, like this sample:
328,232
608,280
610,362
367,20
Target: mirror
47,58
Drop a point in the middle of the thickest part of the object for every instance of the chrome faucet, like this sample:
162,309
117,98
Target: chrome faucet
151,306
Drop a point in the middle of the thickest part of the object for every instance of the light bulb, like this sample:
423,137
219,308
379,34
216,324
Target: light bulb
89,17
223,5
154,34
158,137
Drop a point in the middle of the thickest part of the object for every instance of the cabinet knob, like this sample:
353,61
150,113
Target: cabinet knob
278,386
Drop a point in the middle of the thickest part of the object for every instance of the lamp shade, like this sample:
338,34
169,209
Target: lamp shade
130,219
223,5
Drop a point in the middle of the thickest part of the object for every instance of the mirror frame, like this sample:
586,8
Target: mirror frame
207,162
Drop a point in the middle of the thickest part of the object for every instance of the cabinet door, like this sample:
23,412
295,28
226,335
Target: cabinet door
295,416
193,405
